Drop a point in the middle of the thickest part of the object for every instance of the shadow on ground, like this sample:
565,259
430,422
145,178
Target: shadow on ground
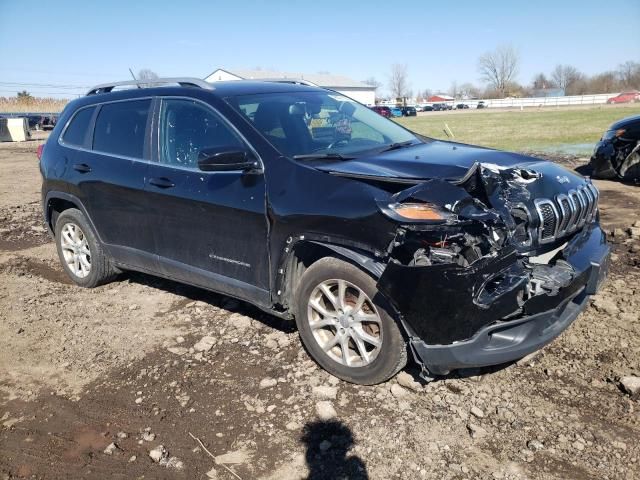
327,446
217,300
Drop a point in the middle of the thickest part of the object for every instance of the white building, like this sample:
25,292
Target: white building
359,91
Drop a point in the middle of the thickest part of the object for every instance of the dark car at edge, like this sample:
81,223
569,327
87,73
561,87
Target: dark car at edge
617,154
382,245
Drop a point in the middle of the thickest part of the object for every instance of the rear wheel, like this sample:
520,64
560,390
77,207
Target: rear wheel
80,251
346,325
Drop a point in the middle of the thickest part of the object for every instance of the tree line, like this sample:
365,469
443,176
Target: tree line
499,69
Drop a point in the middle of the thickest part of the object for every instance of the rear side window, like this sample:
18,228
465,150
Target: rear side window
120,128
76,132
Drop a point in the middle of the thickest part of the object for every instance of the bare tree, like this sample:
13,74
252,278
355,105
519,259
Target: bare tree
566,77
146,74
399,80
606,82
499,67
468,90
629,74
453,89
372,82
541,82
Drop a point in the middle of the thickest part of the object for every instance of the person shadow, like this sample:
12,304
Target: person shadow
327,446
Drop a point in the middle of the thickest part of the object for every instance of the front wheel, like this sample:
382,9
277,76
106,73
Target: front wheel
346,325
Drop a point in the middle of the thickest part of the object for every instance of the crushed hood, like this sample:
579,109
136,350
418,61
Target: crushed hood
434,160
489,187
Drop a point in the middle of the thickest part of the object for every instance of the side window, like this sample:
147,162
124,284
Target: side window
186,127
76,132
120,128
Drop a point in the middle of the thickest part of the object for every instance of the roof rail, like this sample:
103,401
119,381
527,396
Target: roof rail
155,82
297,81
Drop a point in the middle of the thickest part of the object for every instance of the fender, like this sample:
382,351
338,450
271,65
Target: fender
55,194
364,259
369,263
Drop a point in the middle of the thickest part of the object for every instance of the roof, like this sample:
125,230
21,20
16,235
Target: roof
439,97
221,90
327,80
231,87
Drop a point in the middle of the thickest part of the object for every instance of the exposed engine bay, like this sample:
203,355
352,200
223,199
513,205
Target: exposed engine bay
499,257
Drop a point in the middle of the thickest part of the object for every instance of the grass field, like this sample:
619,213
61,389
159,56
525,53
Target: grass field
564,129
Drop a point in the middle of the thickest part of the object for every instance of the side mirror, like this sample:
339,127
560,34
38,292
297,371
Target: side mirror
226,159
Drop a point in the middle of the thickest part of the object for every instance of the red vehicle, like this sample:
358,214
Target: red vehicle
382,110
625,97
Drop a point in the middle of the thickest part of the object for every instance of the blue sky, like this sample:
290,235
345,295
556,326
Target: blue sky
80,43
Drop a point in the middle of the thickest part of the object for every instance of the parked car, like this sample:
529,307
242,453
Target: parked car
438,107
395,111
49,121
625,97
381,244
617,154
35,122
461,106
482,104
382,110
427,108
408,111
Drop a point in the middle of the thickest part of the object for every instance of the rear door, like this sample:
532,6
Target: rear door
113,176
210,228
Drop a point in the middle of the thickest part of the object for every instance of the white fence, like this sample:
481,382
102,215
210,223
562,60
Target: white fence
545,101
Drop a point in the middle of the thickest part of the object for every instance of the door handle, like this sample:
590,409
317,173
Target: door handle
82,167
161,182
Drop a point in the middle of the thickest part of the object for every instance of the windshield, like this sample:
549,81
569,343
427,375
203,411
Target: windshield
319,123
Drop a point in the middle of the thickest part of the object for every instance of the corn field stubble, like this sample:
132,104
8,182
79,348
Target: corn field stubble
32,105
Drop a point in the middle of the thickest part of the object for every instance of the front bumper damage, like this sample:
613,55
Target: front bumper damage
616,159
485,313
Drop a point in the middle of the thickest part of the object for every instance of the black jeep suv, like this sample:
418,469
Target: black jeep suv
379,242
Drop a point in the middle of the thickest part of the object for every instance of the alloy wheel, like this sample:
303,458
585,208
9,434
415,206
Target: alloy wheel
345,323
75,249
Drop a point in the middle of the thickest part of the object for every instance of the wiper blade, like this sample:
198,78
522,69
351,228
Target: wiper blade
322,156
396,146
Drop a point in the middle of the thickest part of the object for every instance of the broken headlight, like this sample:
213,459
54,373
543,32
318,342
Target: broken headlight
611,134
418,212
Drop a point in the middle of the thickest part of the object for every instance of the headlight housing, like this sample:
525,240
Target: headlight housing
418,212
611,134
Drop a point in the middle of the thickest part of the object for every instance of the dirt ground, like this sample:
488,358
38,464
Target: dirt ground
93,381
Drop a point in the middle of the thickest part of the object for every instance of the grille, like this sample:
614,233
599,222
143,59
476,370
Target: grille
566,213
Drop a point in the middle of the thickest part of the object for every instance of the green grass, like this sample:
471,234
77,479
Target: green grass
563,129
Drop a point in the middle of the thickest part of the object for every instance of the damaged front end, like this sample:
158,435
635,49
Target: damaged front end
617,154
502,264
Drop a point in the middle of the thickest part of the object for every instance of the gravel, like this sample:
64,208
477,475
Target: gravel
631,384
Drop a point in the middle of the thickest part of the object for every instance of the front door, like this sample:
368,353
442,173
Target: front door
209,228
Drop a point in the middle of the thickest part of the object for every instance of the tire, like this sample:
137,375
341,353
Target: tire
75,237
377,363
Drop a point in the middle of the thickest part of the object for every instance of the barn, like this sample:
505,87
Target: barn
439,98
359,91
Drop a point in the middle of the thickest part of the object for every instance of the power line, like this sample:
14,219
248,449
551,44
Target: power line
43,85
69,94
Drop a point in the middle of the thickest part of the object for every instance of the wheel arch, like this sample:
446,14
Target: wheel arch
305,252
57,202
